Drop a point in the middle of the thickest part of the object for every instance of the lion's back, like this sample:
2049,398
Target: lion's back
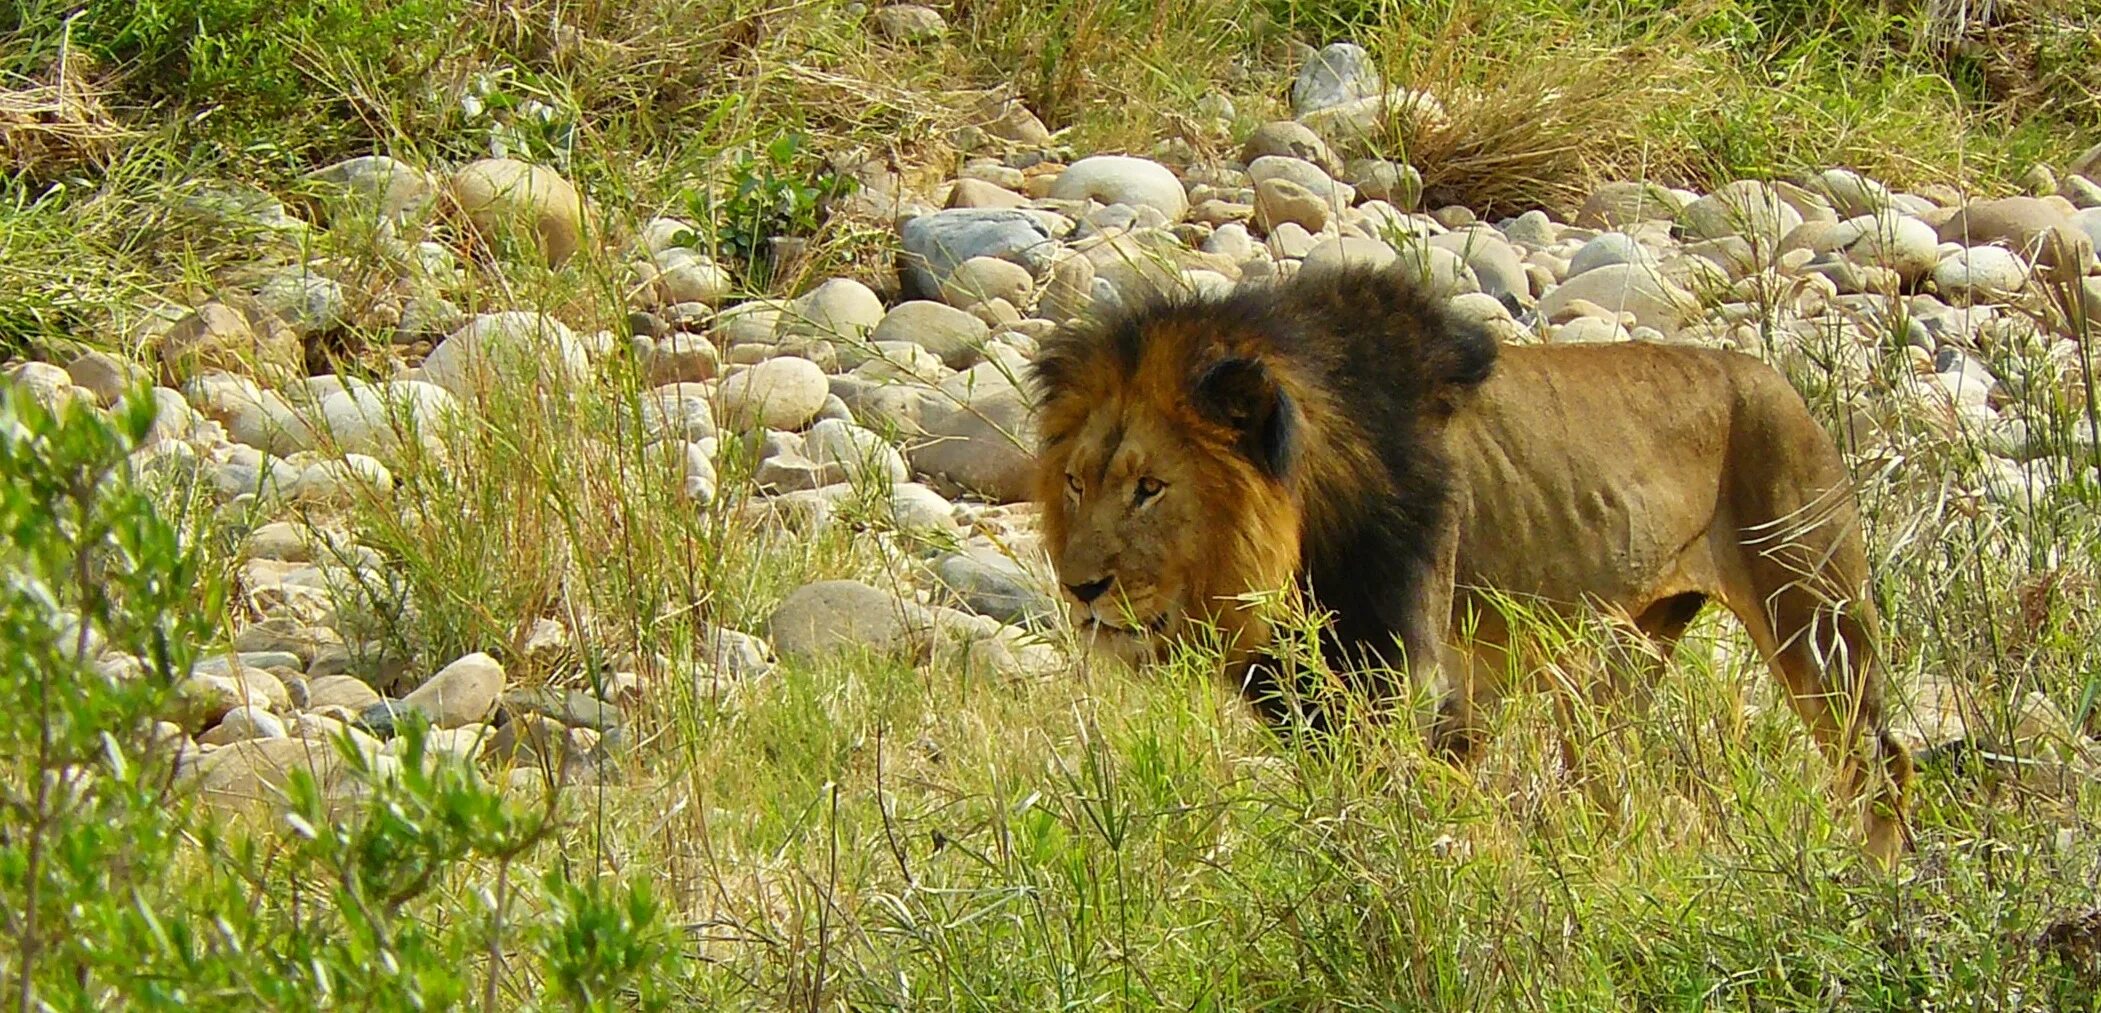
1585,468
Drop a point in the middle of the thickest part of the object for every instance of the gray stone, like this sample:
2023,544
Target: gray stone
308,303
1619,205
916,508
1280,200
2033,227
985,279
1289,138
780,393
387,186
1396,183
1749,208
682,358
991,584
345,691
935,243
384,419
1495,265
217,337
677,411
1533,229
909,23
1980,273
1333,193
840,309
507,197
1606,249
1851,193
737,655
1346,251
859,454
461,693
241,724
686,276
255,772
106,376
1340,72
977,435
1070,290
834,616
573,708
1900,243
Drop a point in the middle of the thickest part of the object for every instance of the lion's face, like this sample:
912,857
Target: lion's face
1163,499
1130,522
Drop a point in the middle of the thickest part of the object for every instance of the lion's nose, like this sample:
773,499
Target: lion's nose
1088,592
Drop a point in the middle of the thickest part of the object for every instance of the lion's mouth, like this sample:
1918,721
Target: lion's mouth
1150,628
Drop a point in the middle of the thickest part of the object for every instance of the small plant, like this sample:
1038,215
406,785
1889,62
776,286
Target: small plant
90,571
783,190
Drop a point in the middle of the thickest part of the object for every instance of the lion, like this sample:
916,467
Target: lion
1343,436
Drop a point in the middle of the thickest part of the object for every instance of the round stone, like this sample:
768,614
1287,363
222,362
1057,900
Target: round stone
780,393
507,197
516,348
1280,200
949,333
1339,73
982,279
1123,179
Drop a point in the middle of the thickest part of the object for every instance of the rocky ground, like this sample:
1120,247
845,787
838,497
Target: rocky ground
1930,324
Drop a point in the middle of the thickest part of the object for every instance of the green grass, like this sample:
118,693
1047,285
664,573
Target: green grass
863,833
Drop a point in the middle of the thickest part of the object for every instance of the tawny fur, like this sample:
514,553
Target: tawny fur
1346,437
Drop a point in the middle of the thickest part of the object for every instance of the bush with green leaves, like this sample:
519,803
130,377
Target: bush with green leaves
781,190
408,883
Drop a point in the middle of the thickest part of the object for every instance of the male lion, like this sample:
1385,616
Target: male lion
1347,436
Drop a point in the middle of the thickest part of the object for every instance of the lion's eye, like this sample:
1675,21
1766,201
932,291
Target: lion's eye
1148,487
1072,482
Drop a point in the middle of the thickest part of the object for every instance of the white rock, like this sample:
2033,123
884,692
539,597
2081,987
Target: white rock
342,480
983,279
1123,179
1629,288
1901,243
1346,251
1980,273
1341,72
781,393
1748,208
840,309
949,333
1606,249
860,454
516,349
381,420
686,276
1304,174
462,693
660,234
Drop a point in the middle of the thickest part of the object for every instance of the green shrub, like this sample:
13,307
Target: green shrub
115,891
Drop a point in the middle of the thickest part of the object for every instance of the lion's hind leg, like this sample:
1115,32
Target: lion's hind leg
1820,639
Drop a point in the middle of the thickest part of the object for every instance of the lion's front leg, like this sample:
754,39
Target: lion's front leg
1446,670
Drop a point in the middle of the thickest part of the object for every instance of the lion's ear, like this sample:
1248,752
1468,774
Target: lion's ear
1241,395
1458,359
